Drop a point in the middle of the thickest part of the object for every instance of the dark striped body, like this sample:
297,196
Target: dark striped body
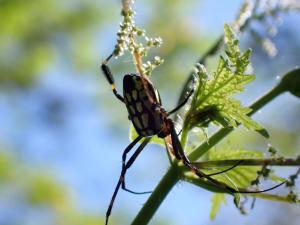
144,106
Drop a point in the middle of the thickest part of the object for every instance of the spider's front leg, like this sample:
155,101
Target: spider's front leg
185,100
109,76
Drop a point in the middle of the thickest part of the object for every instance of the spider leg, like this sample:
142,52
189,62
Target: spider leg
226,170
180,155
123,172
134,192
109,76
182,103
128,148
126,151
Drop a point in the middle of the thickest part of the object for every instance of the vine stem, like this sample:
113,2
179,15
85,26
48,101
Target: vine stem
248,162
173,175
274,198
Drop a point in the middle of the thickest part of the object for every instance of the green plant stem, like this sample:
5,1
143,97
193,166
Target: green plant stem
274,198
184,137
173,174
266,196
248,162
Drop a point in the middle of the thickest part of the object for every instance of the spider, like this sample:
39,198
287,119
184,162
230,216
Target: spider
149,118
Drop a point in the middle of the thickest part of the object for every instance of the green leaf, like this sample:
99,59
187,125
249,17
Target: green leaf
232,43
213,99
225,153
236,200
264,133
217,200
240,176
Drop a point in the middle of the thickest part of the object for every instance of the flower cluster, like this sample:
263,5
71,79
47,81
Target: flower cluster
128,37
151,65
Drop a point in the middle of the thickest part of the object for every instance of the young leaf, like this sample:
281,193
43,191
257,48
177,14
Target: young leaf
217,200
213,101
241,176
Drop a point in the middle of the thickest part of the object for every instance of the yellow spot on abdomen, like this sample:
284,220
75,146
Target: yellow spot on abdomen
145,118
128,96
137,122
139,107
134,94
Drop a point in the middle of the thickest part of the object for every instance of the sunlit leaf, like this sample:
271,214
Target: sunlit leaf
30,37
241,176
213,101
216,202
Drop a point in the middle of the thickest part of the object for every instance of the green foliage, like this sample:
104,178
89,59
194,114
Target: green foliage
216,202
238,177
37,188
33,31
241,176
212,101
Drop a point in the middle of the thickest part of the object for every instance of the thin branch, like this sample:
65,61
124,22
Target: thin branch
266,196
248,162
277,198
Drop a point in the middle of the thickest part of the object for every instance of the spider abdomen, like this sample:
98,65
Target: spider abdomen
143,105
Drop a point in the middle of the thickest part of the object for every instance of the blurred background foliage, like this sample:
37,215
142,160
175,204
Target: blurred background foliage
33,31
62,132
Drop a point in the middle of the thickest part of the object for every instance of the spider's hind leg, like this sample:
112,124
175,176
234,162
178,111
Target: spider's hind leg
124,170
180,155
126,151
